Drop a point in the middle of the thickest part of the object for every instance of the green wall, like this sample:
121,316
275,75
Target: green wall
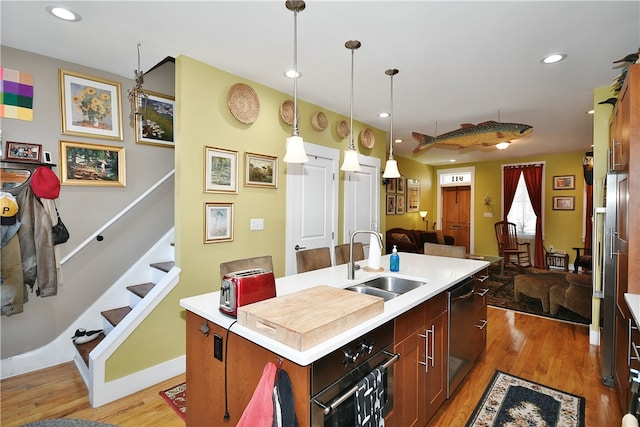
410,169
203,119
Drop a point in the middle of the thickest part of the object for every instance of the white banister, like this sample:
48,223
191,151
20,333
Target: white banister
120,214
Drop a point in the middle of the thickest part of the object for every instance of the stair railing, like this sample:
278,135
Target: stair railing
116,217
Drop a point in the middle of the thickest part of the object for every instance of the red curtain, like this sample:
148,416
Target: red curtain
533,180
510,177
588,220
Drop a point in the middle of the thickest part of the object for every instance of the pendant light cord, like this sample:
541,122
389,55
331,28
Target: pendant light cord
351,145
294,131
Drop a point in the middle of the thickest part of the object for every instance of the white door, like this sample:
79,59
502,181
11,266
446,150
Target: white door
362,200
312,203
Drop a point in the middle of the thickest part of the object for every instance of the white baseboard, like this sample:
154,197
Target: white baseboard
114,390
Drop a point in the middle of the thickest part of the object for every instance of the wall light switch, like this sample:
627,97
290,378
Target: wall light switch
256,224
488,214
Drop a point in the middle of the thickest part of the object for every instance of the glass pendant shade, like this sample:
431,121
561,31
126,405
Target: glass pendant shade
391,169
350,163
295,151
295,145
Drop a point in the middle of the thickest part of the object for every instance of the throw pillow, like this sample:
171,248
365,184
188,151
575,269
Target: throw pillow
440,237
400,237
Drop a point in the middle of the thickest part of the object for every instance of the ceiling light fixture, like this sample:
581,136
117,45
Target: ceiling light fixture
137,95
351,155
383,115
295,145
503,145
391,168
553,58
63,13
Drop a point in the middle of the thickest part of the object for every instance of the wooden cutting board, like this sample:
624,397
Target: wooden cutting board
306,318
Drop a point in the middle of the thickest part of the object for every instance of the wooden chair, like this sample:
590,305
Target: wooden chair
264,262
509,247
342,253
445,250
313,259
584,259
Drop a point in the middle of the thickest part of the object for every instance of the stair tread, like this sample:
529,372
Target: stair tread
142,289
164,266
114,316
86,348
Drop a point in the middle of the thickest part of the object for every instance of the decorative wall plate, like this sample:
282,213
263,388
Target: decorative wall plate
367,138
286,112
343,129
243,103
319,121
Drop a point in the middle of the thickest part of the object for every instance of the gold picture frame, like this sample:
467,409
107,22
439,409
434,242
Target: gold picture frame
260,170
90,106
218,222
92,164
413,195
220,170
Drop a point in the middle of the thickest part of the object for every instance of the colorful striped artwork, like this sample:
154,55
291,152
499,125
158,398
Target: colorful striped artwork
16,94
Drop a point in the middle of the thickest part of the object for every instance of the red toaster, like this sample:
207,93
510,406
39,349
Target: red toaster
240,288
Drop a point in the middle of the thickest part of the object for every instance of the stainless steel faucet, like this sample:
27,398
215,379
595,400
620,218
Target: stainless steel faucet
352,267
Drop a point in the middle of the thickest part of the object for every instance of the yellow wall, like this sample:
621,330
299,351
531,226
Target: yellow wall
562,229
203,119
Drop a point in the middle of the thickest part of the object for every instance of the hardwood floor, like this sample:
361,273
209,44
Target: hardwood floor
553,353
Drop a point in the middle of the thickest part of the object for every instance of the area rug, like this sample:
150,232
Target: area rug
501,295
176,397
513,401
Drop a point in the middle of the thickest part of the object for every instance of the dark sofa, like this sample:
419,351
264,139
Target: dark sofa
413,240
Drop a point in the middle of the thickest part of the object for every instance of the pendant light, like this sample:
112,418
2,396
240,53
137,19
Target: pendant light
295,145
351,155
391,168
137,96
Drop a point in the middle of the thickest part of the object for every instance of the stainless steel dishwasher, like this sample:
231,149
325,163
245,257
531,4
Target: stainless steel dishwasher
464,339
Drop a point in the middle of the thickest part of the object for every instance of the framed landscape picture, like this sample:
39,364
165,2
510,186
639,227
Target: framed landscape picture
563,203
218,222
221,170
154,124
260,171
91,164
566,182
90,106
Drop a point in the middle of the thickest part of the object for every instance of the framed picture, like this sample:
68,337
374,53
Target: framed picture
565,182
221,170
391,185
90,106
218,222
413,195
260,170
92,164
563,203
400,185
391,204
23,152
400,203
154,126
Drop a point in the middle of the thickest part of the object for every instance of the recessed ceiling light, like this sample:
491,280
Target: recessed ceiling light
452,161
383,115
591,112
397,140
292,74
553,58
64,13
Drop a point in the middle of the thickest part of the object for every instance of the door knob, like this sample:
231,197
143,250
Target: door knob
298,247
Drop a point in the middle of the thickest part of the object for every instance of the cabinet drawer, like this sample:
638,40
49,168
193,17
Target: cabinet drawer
436,306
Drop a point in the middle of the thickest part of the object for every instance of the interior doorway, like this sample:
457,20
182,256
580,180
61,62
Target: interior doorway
455,205
456,214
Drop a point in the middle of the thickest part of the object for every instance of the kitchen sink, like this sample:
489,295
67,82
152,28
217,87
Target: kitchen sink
387,287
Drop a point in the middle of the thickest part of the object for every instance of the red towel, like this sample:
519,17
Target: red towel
259,411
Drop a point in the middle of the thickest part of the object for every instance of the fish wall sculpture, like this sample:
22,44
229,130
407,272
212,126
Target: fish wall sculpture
486,134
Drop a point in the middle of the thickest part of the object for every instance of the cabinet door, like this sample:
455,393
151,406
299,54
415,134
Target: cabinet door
409,382
437,367
480,308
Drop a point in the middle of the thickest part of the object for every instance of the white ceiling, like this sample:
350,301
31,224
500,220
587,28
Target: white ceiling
459,62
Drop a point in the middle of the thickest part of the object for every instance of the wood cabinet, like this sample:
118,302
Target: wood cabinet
480,289
205,376
420,383
625,159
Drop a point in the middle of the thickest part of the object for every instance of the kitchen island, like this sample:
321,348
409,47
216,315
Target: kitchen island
246,351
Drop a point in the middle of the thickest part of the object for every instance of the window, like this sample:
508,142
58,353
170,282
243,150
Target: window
521,213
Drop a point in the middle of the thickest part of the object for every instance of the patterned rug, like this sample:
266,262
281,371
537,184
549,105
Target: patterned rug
501,295
513,401
176,397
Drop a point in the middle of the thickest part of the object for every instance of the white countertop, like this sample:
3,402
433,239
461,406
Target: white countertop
440,273
633,301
